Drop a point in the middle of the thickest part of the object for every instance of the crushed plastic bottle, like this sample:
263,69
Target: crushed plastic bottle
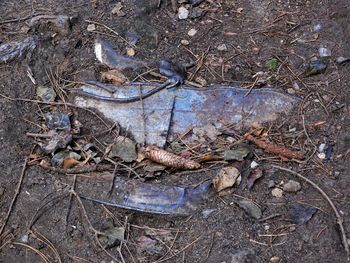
173,111
154,198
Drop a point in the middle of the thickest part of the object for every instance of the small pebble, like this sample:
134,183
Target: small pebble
222,47
91,27
321,147
201,81
276,192
183,13
317,27
184,42
207,212
291,91
324,52
271,184
25,239
322,155
192,32
342,60
296,86
274,259
292,186
130,51
254,164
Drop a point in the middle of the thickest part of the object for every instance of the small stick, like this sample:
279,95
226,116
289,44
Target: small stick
338,216
15,196
71,199
40,254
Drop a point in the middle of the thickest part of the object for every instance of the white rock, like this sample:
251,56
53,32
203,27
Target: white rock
324,52
91,27
183,13
322,155
291,91
321,147
192,32
222,47
254,164
276,192
292,186
296,85
184,42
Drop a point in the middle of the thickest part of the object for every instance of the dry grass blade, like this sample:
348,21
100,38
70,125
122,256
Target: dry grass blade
15,196
169,159
337,214
43,239
40,254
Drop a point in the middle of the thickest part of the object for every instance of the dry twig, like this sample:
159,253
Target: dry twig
15,196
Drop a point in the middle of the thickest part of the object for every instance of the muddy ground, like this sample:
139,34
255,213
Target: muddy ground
253,32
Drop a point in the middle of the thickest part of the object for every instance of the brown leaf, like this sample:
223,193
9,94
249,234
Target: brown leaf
69,163
253,176
114,76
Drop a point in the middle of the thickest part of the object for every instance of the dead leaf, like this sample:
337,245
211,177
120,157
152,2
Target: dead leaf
301,214
111,236
124,148
237,154
148,245
250,208
69,163
226,178
117,10
114,76
253,176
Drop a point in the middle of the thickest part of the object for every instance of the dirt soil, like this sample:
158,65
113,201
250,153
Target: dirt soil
253,32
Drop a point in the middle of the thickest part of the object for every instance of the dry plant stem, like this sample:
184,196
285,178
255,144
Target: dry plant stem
338,216
180,251
43,257
43,239
96,232
71,199
15,196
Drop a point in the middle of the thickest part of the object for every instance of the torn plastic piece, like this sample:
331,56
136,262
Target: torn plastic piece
107,55
154,198
16,49
173,111
57,121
